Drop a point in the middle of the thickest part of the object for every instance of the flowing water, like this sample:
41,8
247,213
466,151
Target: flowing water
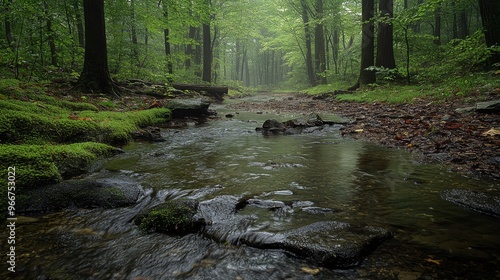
361,183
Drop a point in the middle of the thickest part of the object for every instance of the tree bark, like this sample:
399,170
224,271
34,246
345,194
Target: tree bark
8,29
319,45
490,9
207,54
79,25
367,44
309,61
385,46
50,35
166,37
437,25
95,75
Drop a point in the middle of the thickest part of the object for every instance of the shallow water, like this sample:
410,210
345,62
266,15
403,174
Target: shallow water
360,183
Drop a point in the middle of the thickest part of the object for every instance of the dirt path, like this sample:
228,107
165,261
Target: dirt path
433,130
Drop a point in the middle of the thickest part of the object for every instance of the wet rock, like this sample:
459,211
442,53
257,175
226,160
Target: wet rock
150,133
220,208
223,225
474,200
307,124
172,217
269,204
185,108
84,193
273,126
332,244
317,210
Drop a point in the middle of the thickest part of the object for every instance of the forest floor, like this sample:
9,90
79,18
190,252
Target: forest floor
430,128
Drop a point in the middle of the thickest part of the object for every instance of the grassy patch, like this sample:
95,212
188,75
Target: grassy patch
474,85
319,89
398,94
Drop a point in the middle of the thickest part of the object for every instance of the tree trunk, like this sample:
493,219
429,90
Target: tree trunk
166,37
189,47
133,33
437,25
79,25
367,45
207,54
309,61
95,75
50,35
490,9
319,45
463,30
8,29
385,46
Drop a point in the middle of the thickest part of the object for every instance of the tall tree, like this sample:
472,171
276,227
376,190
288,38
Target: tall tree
95,75
166,38
437,24
79,24
207,44
8,29
309,61
319,44
367,44
385,46
490,9
50,34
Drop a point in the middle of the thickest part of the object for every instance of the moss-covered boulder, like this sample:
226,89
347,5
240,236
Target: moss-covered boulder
83,193
172,217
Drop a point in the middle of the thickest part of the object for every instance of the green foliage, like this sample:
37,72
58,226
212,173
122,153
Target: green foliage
462,56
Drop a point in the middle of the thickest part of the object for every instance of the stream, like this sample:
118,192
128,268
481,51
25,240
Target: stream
357,182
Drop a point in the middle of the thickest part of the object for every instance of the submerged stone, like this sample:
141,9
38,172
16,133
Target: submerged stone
474,200
84,193
332,244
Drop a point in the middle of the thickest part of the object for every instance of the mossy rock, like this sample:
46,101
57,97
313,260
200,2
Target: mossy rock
84,193
172,217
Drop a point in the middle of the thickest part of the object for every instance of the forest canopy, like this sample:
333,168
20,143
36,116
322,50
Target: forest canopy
256,43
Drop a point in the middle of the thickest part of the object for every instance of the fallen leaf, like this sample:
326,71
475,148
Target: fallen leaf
492,132
438,262
312,271
452,125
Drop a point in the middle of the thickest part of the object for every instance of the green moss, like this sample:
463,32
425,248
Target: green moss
10,87
38,165
38,123
170,217
121,124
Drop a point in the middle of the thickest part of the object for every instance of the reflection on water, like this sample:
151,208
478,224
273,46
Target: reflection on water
357,182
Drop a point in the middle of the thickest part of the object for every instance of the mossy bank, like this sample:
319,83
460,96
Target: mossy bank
48,139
